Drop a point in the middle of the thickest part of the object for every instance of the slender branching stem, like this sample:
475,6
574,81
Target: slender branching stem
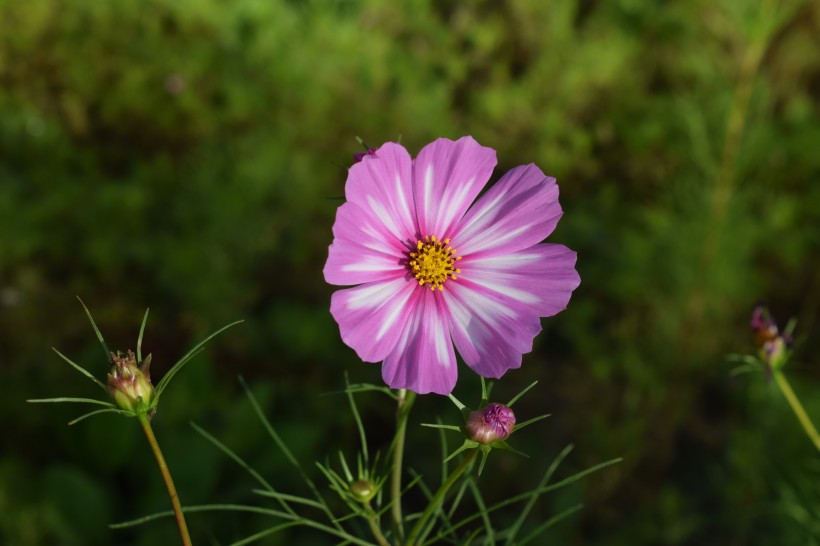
437,499
402,411
374,526
169,483
797,407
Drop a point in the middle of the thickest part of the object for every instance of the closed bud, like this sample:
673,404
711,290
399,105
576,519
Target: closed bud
357,158
492,423
774,345
130,383
363,490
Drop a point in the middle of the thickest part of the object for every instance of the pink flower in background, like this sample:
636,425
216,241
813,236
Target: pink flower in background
434,269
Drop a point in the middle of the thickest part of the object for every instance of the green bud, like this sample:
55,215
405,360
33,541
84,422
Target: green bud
130,383
363,490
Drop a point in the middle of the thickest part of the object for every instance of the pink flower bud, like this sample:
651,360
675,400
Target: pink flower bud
491,423
130,384
361,155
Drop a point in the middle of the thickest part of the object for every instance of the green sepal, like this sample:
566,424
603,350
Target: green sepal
468,444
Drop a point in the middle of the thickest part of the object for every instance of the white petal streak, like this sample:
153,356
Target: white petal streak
428,190
371,296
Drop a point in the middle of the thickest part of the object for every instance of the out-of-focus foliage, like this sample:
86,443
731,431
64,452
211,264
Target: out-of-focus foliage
189,156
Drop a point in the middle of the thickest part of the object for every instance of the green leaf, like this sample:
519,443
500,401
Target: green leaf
201,508
81,369
440,426
515,527
250,470
96,330
520,394
284,448
97,412
482,509
291,498
468,444
77,400
357,419
188,356
519,426
139,337
550,522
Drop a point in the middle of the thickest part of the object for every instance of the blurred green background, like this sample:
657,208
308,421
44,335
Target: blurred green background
188,156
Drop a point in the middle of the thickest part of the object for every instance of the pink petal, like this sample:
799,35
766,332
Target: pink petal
542,276
423,359
490,330
447,177
381,185
362,250
371,316
520,210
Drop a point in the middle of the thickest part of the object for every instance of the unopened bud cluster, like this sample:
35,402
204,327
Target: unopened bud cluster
130,383
774,345
492,423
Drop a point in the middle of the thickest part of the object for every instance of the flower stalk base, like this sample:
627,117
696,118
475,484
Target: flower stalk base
797,407
169,482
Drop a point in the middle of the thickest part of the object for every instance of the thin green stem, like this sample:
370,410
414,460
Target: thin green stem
794,402
402,411
439,497
169,483
374,526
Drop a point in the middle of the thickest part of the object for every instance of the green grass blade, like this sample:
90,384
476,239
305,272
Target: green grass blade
536,491
442,438
166,379
241,462
201,508
96,330
457,499
76,400
284,448
482,509
440,426
357,418
97,412
520,394
439,514
514,528
139,337
81,369
550,522
289,498
519,426
345,469
188,356
461,407
267,532
365,387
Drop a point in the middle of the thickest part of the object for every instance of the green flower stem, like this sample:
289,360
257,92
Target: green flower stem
405,403
169,483
439,496
374,526
794,402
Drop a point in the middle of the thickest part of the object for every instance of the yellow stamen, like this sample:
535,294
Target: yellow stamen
433,263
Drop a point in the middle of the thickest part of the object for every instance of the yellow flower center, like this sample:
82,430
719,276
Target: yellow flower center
433,262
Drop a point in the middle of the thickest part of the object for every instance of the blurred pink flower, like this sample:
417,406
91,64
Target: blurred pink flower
433,271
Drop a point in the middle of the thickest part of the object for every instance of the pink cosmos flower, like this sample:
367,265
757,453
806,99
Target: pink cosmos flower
434,269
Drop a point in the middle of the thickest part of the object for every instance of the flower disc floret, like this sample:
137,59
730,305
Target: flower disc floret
433,262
